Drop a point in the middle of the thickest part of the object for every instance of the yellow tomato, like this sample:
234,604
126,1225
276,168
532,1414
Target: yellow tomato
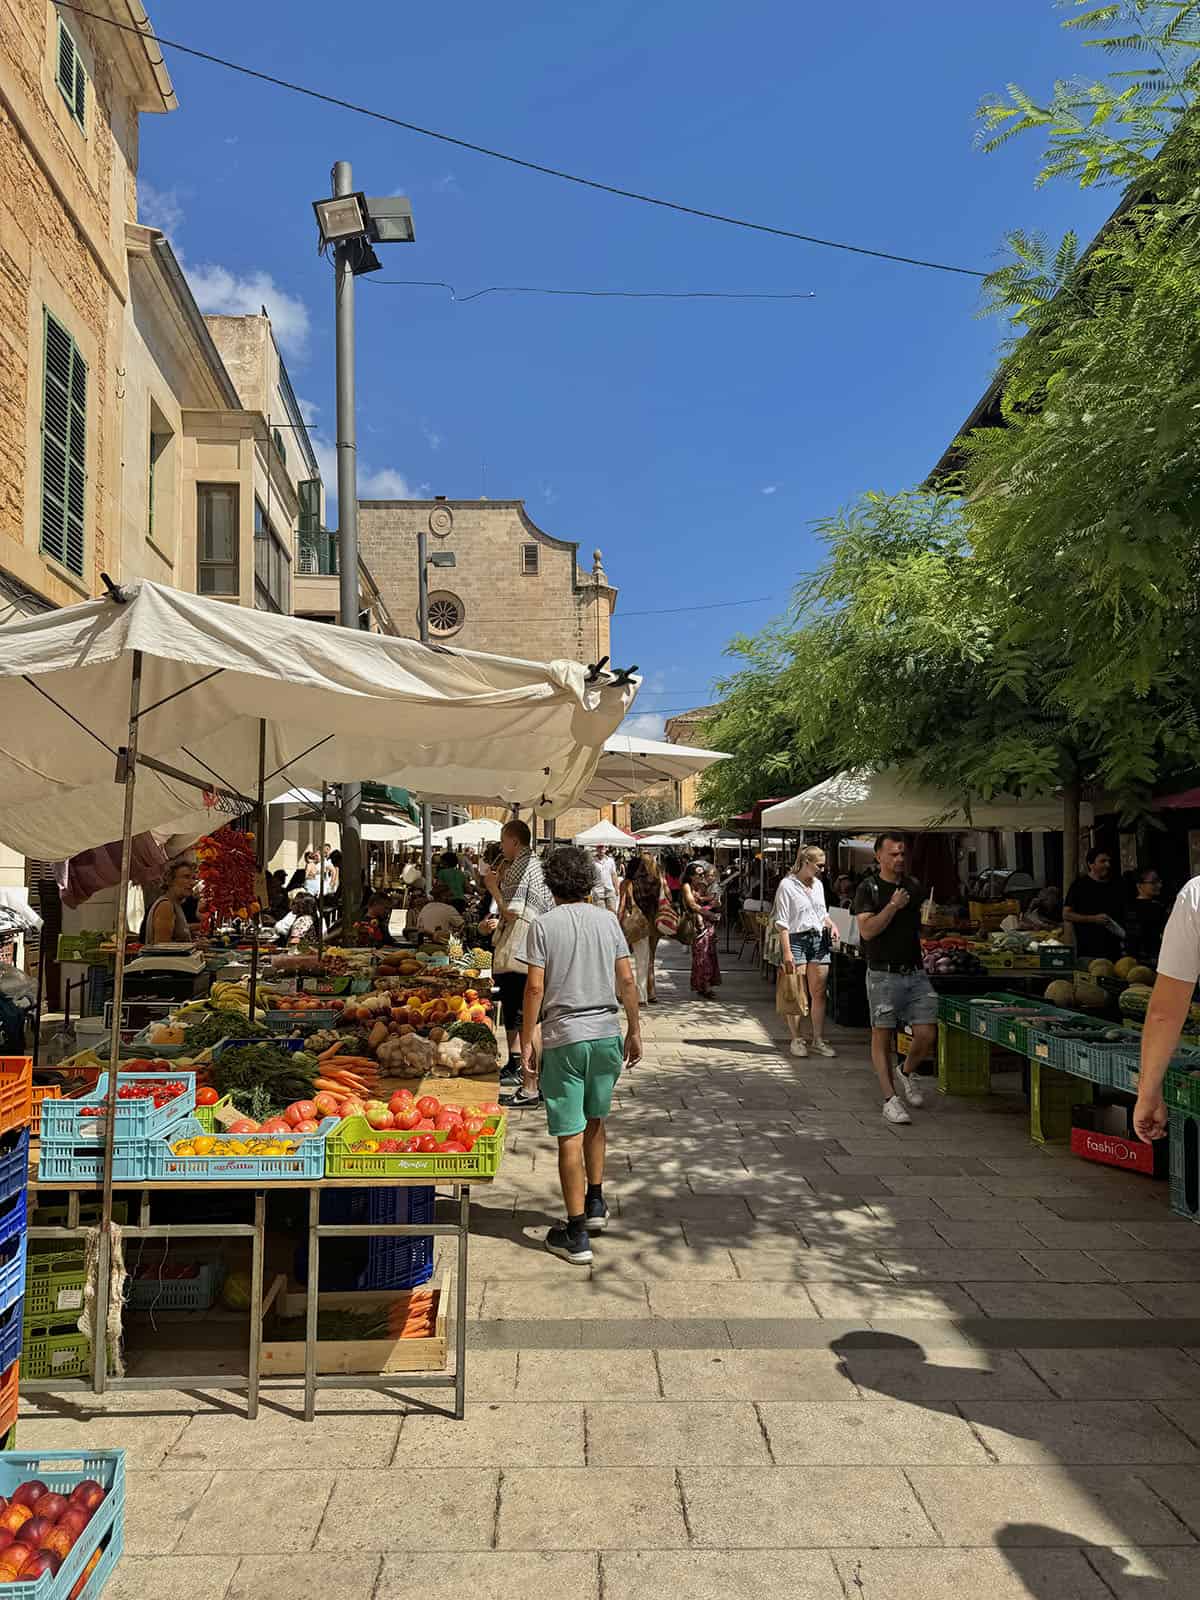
185,1149
203,1146
370,1146
236,1148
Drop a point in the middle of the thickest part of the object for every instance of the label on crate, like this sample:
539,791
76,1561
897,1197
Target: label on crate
63,1358
69,1300
1042,1052
981,1028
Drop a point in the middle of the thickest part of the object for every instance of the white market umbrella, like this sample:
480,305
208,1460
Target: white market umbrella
479,830
390,832
334,704
861,802
605,833
628,766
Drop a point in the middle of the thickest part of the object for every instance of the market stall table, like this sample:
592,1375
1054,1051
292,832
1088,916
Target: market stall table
255,1231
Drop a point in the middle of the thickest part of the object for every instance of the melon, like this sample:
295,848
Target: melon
1101,969
1141,975
1090,996
1060,993
1124,967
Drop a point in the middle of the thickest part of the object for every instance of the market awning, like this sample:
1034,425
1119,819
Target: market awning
604,833
629,766
858,801
678,829
337,705
479,830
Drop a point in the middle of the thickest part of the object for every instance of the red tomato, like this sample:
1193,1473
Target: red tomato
425,1125
207,1096
427,1144
307,1126
454,1147
428,1106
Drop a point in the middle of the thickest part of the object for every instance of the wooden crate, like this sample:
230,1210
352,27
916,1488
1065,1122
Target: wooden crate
355,1355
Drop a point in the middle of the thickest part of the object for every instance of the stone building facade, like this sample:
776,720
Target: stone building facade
689,727
513,590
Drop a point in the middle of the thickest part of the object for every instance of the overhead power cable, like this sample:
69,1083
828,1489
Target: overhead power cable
590,294
519,161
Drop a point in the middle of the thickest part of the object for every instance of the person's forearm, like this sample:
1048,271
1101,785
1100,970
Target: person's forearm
531,1011
870,925
1165,1017
628,996
1084,916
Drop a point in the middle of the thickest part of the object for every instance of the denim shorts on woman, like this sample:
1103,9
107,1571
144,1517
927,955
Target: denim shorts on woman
895,998
577,1082
810,948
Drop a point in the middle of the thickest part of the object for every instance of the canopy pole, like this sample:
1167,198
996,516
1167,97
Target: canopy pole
321,873
260,858
127,771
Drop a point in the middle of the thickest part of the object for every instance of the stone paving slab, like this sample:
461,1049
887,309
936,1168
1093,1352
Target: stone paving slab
616,1508
1098,1432
489,1575
708,1433
1146,1374
719,1575
1046,1506
894,1433
746,1508
956,1574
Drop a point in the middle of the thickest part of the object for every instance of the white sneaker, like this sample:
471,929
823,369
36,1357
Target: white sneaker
910,1088
893,1110
822,1048
799,1048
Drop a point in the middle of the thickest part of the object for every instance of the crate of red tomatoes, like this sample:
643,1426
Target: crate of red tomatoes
147,1103
62,1521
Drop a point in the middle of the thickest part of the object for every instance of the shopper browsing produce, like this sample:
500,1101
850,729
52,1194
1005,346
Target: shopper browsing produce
888,907
165,921
579,968
521,896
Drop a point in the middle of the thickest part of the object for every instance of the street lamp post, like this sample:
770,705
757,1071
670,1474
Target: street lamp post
352,223
440,558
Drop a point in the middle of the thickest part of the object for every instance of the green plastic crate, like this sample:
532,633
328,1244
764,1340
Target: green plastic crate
954,1010
964,1063
54,1281
341,1162
206,1115
53,1347
1184,1135
1052,1094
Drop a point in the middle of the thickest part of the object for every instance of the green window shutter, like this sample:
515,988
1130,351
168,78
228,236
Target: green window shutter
64,448
72,79
309,491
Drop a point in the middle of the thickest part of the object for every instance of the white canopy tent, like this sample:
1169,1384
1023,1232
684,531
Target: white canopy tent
628,766
865,802
679,829
479,830
605,833
203,678
390,833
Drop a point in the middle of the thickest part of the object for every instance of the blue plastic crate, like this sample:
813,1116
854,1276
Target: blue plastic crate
12,1250
61,1470
307,1162
63,1121
14,1163
390,1263
10,1340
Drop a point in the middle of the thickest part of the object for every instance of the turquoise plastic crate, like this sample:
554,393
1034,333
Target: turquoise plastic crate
63,1121
133,1161
308,1161
285,1021
61,1470
157,1293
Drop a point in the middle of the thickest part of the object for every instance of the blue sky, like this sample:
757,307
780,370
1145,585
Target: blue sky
692,442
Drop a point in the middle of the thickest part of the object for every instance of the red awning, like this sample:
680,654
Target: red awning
1185,800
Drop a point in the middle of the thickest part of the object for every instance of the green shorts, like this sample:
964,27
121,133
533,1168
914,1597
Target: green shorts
577,1082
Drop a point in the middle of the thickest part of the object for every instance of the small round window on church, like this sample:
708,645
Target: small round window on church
446,614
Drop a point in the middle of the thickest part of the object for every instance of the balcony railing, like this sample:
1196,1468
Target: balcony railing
318,555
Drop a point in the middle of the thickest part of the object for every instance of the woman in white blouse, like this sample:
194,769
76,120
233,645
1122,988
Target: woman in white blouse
807,936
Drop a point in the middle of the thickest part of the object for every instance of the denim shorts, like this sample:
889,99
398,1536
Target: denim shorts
810,948
895,998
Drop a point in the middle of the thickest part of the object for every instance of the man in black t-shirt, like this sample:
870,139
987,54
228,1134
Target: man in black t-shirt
1093,901
888,907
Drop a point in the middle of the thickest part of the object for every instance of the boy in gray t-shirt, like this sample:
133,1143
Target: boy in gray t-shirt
579,967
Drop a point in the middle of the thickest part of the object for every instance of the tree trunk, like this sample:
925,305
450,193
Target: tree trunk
1071,790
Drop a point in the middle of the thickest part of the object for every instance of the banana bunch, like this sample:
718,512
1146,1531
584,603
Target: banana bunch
229,997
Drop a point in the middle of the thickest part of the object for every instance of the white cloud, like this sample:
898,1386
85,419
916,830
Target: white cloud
374,483
159,208
549,493
446,184
433,438
644,725
386,484
309,410
223,293
771,488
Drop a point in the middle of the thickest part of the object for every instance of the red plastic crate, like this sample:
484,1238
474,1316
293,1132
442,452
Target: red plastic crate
16,1091
1115,1150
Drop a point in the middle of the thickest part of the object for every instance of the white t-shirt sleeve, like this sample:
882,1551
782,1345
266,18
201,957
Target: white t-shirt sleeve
783,911
1180,953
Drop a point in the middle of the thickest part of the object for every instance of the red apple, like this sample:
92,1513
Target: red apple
34,1532
76,1517
43,1561
27,1493
50,1505
6,1538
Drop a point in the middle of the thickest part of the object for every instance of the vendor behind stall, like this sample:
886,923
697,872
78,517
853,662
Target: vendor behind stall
166,921
375,927
1093,908
439,919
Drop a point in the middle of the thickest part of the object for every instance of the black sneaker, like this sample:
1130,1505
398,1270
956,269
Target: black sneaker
521,1099
510,1075
596,1216
577,1251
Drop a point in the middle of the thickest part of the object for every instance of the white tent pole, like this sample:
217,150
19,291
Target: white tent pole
104,1245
